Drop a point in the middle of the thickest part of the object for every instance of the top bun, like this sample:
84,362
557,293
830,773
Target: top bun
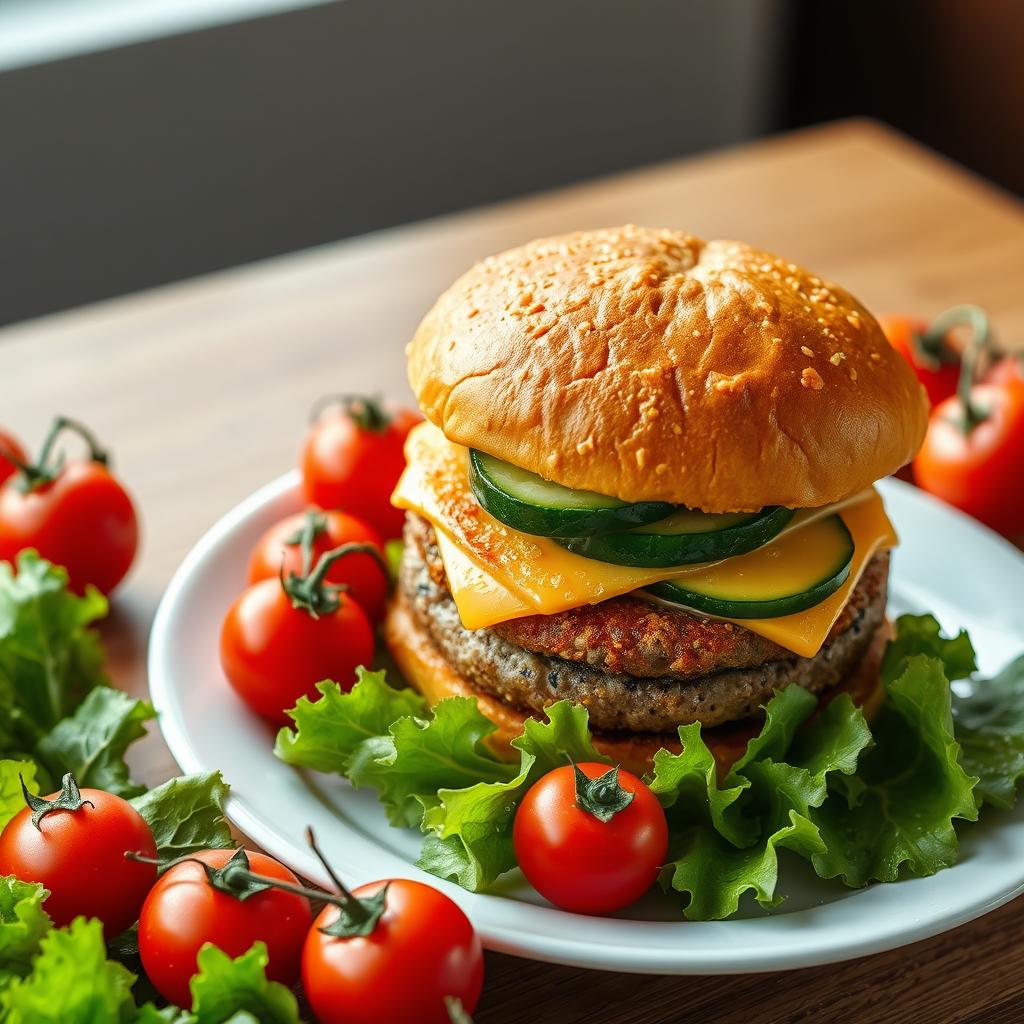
653,366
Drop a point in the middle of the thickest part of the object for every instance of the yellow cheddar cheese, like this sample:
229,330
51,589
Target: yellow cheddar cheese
496,573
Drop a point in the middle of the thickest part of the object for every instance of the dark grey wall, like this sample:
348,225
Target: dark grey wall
166,159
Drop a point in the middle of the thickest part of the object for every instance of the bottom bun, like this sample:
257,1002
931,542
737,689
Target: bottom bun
426,670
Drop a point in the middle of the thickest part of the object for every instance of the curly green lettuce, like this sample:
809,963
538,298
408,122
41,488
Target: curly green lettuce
859,802
12,800
898,817
186,815
49,658
225,987
989,725
23,923
470,829
91,743
386,739
726,839
71,982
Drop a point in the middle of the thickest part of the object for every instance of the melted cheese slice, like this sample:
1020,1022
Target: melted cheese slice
496,573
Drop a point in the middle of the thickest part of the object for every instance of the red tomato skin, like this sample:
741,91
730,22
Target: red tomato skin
580,863
940,383
83,520
79,857
10,446
355,470
982,473
183,912
273,654
423,949
1005,371
367,583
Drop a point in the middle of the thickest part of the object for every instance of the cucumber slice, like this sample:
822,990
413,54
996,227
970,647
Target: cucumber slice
791,575
684,538
528,502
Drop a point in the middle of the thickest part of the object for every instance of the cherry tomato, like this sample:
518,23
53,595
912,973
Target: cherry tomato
75,514
184,911
578,861
352,458
980,471
1005,370
938,377
422,949
79,855
9,446
365,578
274,653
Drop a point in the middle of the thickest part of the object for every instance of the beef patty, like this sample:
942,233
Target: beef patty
634,664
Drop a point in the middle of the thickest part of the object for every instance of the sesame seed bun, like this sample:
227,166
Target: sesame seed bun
649,365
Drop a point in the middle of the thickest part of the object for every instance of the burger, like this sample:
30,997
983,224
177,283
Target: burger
645,483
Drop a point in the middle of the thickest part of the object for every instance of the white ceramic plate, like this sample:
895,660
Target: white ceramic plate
947,564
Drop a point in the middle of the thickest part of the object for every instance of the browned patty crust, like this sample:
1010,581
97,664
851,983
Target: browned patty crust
636,665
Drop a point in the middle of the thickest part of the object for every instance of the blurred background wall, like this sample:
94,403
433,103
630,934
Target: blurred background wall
130,162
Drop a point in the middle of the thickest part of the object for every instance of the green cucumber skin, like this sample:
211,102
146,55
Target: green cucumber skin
660,551
558,522
788,604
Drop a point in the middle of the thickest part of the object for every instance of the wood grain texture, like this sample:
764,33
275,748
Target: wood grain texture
202,390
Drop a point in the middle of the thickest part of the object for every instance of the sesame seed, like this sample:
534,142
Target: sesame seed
807,351
853,375
641,457
836,358
811,379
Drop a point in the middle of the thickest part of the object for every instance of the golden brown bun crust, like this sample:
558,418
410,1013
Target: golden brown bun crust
426,670
651,365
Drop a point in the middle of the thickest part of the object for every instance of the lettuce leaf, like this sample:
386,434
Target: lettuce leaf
910,786
715,874
470,828
687,786
328,731
49,659
92,742
149,1014
12,799
224,990
71,982
420,757
23,923
858,803
726,840
922,634
989,725
387,739
186,815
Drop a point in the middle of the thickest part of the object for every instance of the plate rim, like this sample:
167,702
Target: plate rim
656,958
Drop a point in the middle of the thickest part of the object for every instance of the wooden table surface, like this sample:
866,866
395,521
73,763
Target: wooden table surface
202,390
